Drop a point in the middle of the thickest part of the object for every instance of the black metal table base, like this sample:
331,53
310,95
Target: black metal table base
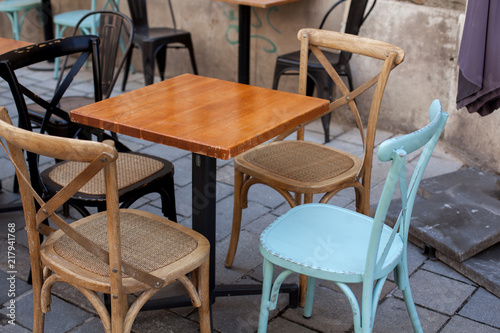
223,291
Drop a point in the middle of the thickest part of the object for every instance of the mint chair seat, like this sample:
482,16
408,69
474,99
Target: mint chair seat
13,8
336,244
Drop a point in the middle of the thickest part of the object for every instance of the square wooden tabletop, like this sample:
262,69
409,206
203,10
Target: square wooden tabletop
208,116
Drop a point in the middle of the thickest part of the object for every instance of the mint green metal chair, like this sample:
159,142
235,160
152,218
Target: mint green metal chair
69,19
333,243
13,8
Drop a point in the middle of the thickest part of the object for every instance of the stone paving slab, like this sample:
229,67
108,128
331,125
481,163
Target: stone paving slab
11,286
392,316
437,292
483,307
457,213
483,268
462,325
62,317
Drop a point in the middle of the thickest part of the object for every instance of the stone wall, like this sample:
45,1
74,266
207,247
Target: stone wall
428,31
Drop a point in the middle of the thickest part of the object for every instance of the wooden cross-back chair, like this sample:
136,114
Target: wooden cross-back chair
298,169
289,63
336,244
116,252
139,174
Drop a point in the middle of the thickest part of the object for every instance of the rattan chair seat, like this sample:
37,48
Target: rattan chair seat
132,168
147,243
300,161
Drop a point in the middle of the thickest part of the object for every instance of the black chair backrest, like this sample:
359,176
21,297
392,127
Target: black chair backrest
84,46
139,13
113,28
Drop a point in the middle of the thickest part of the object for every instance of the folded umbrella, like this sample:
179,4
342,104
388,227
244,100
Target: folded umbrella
479,58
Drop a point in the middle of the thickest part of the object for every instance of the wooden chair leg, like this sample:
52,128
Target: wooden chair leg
119,307
237,212
204,311
38,315
302,290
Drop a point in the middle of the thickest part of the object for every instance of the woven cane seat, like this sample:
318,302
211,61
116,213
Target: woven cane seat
146,244
301,161
132,168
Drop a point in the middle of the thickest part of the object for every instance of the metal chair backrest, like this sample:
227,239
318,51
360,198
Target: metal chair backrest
139,13
83,46
115,30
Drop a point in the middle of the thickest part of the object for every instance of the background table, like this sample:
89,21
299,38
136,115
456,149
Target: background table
244,32
7,44
212,119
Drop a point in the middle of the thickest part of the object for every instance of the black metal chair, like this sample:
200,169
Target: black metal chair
289,64
153,42
114,30
138,174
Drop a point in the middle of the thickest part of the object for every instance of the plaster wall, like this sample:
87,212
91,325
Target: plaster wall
428,33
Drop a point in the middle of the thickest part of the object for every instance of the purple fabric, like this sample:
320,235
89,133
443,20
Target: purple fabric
479,58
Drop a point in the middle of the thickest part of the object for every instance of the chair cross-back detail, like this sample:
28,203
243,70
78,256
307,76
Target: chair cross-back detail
116,252
154,41
298,169
289,64
332,243
115,30
138,174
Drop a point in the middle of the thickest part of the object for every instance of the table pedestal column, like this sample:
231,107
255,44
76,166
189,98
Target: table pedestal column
244,44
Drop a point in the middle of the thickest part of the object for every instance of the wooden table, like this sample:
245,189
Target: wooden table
7,44
244,32
212,119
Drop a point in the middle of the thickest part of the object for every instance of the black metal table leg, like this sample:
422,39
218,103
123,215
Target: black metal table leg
244,44
204,200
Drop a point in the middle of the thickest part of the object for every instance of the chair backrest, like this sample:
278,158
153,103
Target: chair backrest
83,46
99,156
313,40
139,14
396,150
355,18
115,30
